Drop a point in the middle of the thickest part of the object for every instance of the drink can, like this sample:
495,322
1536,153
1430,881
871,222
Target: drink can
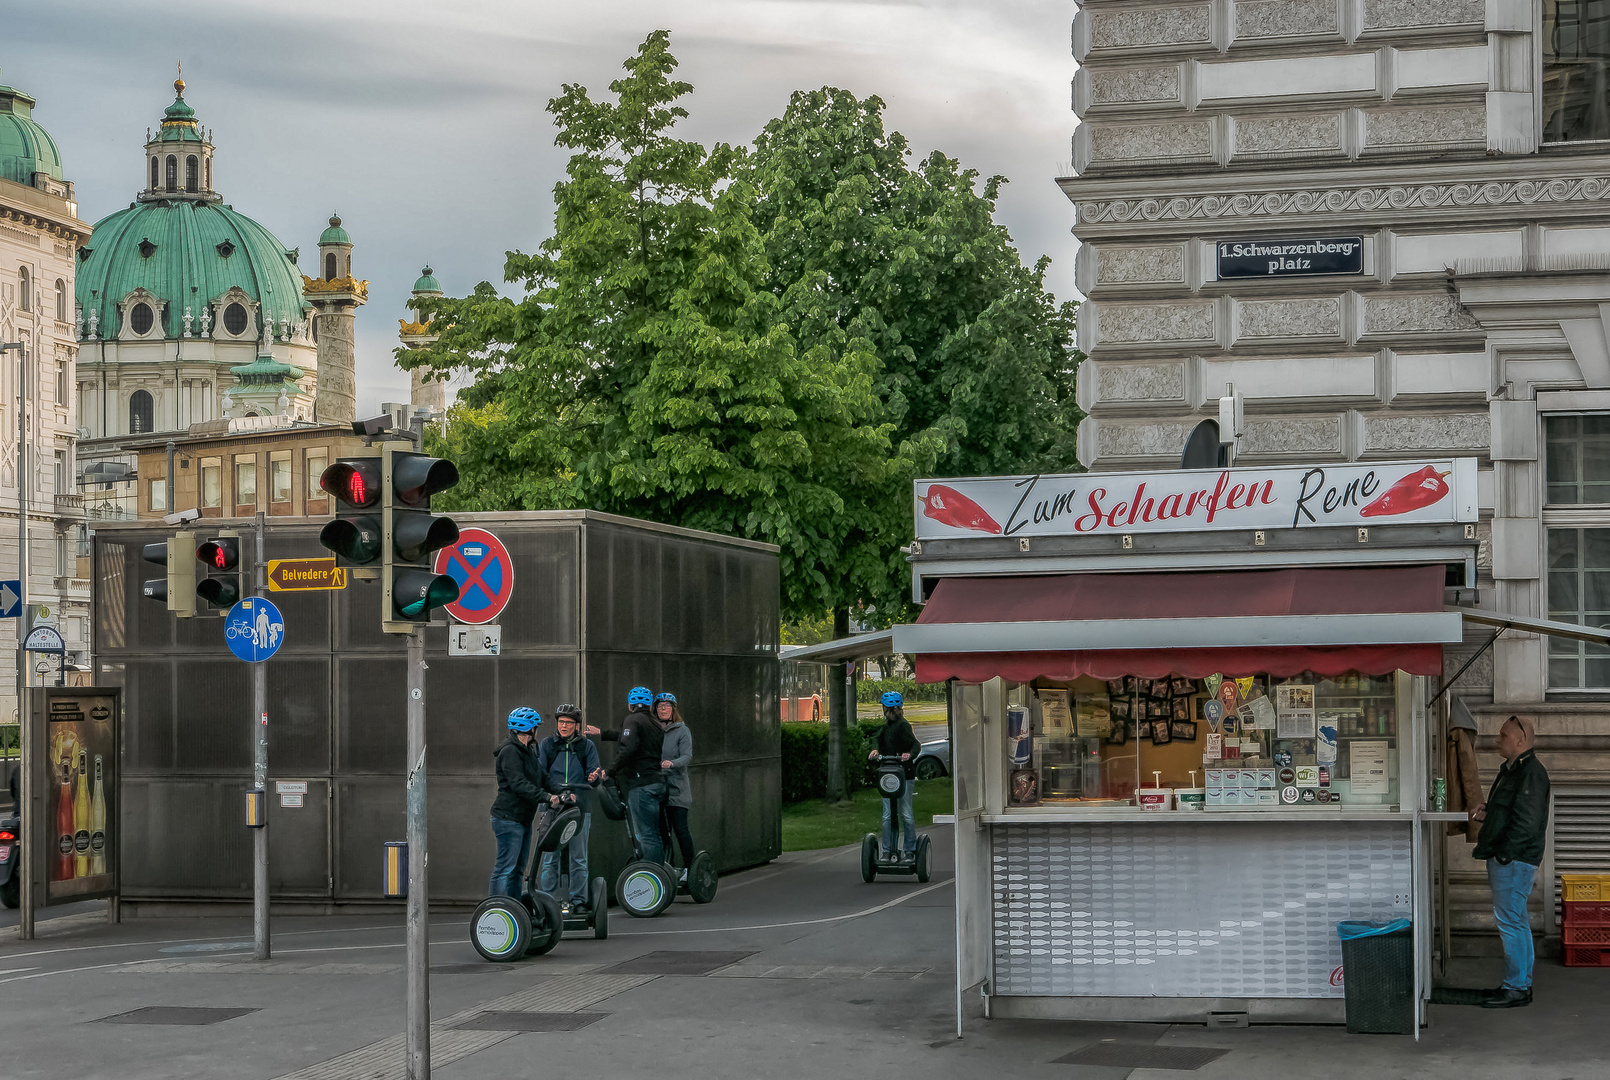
1439,795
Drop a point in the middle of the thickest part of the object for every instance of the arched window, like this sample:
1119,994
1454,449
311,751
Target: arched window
25,289
140,320
61,300
190,173
140,412
156,174
329,267
209,174
173,173
235,319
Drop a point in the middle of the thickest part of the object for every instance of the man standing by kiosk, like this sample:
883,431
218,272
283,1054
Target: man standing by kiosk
1514,830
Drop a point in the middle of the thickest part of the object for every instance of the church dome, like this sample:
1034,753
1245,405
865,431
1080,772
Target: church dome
187,252
25,147
427,282
335,234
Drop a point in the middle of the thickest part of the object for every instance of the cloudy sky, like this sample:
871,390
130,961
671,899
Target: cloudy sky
423,124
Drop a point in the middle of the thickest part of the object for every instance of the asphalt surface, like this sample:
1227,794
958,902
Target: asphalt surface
798,969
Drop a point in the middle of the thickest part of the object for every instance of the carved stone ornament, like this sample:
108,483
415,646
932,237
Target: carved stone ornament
188,318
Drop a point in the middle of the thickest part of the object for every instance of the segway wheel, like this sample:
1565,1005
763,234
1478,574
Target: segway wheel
500,929
641,889
702,880
922,858
600,898
869,857
547,924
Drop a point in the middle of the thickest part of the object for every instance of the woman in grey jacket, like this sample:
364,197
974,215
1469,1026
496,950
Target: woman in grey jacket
677,755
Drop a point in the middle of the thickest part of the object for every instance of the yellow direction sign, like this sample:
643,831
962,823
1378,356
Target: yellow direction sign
305,575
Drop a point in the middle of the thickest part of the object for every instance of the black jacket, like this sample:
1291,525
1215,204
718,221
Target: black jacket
641,739
896,738
520,785
1516,826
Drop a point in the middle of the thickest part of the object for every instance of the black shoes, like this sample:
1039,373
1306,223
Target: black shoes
1507,998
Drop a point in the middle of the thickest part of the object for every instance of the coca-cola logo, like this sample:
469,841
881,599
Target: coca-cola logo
1336,977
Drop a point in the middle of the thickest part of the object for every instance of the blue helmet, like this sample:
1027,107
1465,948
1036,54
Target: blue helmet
665,697
892,700
639,695
524,719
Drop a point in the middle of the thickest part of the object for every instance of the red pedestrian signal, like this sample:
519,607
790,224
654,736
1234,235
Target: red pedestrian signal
355,534
222,584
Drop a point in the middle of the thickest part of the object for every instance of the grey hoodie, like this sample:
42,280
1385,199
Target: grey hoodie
678,750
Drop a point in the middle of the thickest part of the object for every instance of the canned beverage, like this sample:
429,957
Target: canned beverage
1439,795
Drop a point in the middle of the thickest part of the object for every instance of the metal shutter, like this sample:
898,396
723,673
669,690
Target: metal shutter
1581,822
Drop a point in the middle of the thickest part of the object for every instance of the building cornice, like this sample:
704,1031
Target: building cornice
50,214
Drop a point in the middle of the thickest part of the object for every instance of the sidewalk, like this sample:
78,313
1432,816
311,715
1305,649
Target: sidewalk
798,969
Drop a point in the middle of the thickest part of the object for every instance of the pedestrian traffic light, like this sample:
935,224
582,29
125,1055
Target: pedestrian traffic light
221,584
178,588
355,483
411,537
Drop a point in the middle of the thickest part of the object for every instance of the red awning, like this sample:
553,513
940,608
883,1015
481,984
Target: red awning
1128,600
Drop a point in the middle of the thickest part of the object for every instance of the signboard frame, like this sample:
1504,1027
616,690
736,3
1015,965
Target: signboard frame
60,719
1251,258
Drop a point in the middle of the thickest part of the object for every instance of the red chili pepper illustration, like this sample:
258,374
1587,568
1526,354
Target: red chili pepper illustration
1411,493
950,507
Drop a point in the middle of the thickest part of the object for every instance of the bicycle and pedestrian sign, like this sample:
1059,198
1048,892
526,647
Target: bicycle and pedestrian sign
254,629
305,575
481,565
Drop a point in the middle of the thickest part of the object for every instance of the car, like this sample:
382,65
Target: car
934,760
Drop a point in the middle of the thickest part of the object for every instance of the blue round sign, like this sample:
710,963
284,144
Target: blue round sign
254,629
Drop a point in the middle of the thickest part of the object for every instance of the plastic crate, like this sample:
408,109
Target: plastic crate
1587,913
1586,886
1586,955
1587,935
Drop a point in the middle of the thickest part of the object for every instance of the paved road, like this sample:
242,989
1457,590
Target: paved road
798,969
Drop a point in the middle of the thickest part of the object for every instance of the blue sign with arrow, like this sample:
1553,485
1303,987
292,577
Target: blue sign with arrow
10,599
254,629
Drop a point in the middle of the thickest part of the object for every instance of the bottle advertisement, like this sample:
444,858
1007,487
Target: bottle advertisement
80,743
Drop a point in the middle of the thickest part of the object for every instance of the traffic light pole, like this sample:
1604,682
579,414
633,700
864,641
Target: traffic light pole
28,751
260,929
418,868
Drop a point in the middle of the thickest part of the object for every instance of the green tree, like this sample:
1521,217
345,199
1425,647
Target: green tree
648,371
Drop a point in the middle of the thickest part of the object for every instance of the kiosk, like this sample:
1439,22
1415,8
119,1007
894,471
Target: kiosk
1190,734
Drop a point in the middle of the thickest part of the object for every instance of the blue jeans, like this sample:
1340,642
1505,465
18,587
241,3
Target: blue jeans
513,840
1512,884
548,881
908,821
644,803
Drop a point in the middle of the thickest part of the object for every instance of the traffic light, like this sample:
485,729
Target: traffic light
354,535
411,535
178,588
221,585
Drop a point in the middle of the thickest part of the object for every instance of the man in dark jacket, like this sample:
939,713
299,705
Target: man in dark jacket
520,791
569,762
1514,829
896,739
637,767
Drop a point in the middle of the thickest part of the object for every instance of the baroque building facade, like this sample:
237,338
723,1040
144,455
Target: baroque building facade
1463,146
39,232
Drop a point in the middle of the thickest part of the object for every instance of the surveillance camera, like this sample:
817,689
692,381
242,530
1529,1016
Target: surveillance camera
183,517
376,425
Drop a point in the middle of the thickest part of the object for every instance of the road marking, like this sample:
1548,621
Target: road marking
177,941
71,971
784,925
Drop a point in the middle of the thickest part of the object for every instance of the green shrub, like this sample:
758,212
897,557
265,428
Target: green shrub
804,761
869,691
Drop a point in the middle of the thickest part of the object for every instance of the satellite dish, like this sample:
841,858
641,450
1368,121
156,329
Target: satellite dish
1203,450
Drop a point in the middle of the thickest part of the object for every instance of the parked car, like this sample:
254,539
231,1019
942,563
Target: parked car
934,759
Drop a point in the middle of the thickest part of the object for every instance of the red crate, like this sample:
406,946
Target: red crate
1587,935
1586,956
1587,912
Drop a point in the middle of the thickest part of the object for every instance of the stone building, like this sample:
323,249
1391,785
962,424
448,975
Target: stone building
39,231
1387,224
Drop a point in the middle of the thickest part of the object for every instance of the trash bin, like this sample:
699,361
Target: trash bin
1378,974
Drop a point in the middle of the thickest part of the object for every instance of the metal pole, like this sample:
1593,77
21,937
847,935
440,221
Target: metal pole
418,876
25,921
260,927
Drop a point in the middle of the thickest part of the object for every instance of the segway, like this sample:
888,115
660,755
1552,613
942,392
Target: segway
644,888
874,861
597,919
504,928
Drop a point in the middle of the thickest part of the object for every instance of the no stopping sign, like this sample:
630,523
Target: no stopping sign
485,574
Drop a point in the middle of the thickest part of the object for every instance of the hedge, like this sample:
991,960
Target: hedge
805,760
871,690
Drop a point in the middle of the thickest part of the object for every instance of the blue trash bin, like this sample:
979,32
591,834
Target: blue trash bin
1378,976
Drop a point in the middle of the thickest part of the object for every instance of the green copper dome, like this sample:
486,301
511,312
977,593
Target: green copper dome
179,119
427,282
25,147
187,252
335,234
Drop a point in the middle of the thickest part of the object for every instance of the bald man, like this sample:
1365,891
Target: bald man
1514,829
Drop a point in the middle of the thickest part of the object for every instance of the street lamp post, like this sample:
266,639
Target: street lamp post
25,924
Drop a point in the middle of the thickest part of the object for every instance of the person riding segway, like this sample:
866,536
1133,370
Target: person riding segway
896,751
647,884
697,877
569,766
511,922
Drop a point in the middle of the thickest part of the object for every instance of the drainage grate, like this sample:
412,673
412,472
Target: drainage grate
672,962
530,1021
1123,1055
174,1015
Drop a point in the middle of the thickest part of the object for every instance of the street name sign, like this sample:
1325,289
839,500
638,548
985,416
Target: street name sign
1290,257
305,575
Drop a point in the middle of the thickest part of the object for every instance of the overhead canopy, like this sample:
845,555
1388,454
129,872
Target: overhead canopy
1284,622
850,648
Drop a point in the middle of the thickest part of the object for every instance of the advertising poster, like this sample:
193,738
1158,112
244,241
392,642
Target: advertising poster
80,741
1295,706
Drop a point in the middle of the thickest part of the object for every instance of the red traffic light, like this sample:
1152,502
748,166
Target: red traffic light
220,552
353,481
